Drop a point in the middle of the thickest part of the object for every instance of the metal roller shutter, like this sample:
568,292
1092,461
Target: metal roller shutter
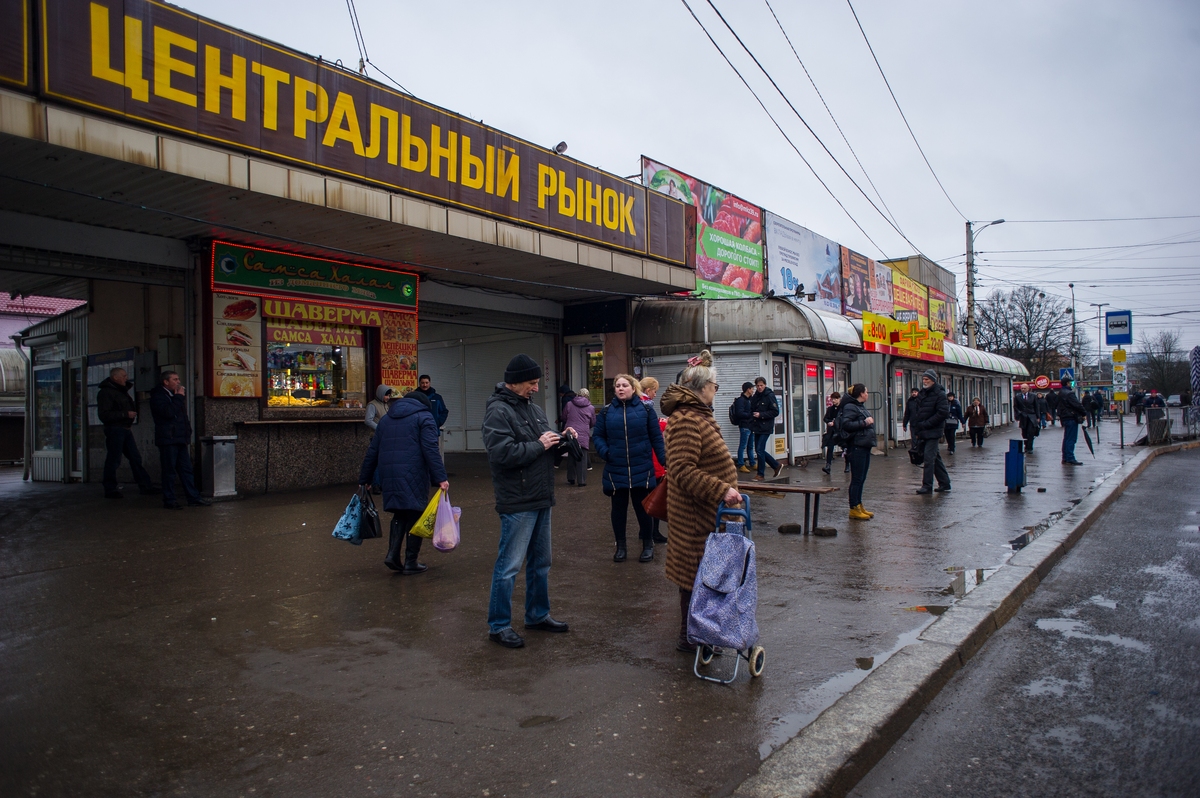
732,370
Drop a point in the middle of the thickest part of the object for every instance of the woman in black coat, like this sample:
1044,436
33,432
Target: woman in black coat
857,429
405,449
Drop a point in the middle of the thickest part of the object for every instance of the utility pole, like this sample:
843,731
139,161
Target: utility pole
1072,287
971,279
1099,306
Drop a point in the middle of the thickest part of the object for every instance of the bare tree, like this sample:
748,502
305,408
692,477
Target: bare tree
1162,363
1028,326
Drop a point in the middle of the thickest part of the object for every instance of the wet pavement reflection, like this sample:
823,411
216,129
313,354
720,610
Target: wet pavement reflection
242,646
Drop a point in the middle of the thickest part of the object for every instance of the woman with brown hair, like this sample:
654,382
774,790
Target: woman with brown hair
702,475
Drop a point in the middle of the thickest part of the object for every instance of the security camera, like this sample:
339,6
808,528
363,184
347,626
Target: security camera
560,147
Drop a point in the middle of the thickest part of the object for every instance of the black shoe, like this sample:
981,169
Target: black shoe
507,638
413,567
1072,462
116,494
647,552
942,489
199,503
683,645
923,491
149,490
660,538
620,555
570,482
826,468
547,625
172,506
846,470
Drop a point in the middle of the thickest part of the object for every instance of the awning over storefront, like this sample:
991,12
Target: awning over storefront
976,359
687,323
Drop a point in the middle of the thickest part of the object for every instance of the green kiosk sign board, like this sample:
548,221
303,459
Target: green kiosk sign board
263,271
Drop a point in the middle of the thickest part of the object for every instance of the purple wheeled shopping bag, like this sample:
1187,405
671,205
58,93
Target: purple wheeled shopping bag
724,602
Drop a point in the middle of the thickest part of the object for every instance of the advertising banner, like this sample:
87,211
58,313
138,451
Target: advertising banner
856,283
881,289
159,65
264,271
910,299
729,233
952,306
286,331
799,257
939,311
237,346
908,340
398,339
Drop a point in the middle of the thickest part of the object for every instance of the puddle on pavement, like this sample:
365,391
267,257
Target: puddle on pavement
815,701
1071,628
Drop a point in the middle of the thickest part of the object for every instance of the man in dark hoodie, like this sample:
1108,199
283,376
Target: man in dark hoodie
405,451
521,450
117,412
931,408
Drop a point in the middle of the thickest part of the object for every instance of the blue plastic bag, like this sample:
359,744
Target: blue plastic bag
348,525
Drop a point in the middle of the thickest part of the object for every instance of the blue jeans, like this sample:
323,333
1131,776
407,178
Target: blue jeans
175,458
746,444
764,459
860,462
523,537
1070,436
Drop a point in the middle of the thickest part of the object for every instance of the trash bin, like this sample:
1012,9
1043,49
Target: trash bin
218,463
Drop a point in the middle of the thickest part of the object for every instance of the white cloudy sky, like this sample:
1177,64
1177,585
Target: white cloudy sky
1027,109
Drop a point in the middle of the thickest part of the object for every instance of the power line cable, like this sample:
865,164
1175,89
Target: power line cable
901,110
803,121
360,41
778,127
829,111
1086,249
1113,219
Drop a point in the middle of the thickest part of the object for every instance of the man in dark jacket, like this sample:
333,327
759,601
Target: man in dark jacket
763,409
908,408
1089,408
437,405
172,435
740,416
1071,412
521,449
1052,406
928,421
1025,413
117,412
405,451
952,421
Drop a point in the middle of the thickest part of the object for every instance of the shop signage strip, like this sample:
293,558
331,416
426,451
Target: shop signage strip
267,272
285,331
911,340
15,31
162,66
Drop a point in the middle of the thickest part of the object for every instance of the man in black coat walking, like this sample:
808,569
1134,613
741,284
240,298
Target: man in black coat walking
1025,412
764,407
908,408
172,435
117,412
931,408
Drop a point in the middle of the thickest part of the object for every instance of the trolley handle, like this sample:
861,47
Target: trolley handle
742,512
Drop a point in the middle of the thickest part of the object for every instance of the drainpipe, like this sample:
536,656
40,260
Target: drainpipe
27,442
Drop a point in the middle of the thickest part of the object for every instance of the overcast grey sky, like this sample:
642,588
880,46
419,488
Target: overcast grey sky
1027,110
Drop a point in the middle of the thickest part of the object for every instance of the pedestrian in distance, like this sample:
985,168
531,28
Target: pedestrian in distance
579,416
172,436
702,476
1089,408
952,422
930,411
740,416
1025,411
1098,403
649,394
627,436
404,457
1052,406
908,408
1043,410
1155,400
1071,412
437,404
521,448
764,407
977,422
376,411
829,438
117,412
857,430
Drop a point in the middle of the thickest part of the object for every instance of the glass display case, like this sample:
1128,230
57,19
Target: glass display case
312,375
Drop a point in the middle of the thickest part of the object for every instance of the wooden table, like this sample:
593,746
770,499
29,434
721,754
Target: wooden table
811,496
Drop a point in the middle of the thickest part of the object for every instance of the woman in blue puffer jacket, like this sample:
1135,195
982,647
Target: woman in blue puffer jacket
626,434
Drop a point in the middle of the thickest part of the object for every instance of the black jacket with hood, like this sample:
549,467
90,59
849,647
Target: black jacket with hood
930,410
852,421
522,469
767,407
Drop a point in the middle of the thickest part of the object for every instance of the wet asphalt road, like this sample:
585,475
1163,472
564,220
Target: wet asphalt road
1092,688
239,649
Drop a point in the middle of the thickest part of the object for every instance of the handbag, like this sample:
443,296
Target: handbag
369,525
916,455
655,503
424,526
348,526
446,525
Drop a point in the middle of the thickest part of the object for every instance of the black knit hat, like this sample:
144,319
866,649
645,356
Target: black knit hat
420,397
931,374
522,368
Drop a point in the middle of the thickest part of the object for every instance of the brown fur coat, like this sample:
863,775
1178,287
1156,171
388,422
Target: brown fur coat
700,469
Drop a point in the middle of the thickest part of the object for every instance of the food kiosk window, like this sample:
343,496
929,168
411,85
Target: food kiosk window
317,375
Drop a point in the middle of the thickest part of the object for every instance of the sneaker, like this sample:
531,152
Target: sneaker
778,471
759,478
942,489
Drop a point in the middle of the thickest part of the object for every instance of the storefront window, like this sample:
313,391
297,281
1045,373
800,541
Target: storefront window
312,375
595,375
47,409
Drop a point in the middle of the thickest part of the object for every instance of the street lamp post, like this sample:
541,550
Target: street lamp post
1099,306
1072,287
971,278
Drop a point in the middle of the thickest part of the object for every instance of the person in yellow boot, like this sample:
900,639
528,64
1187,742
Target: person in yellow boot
856,430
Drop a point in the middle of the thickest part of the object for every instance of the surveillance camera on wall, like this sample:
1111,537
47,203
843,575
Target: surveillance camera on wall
560,147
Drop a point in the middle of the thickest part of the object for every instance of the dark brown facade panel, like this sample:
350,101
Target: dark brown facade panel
16,30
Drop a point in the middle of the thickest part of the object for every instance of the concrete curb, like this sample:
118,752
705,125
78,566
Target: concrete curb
834,752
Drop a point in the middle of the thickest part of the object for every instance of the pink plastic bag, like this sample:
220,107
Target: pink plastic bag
446,525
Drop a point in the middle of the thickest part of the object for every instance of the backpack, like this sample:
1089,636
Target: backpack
840,436
732,415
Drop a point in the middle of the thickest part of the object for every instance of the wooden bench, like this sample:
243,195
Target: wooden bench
811,495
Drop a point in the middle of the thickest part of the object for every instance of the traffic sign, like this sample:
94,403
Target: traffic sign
1118,327
1066,374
